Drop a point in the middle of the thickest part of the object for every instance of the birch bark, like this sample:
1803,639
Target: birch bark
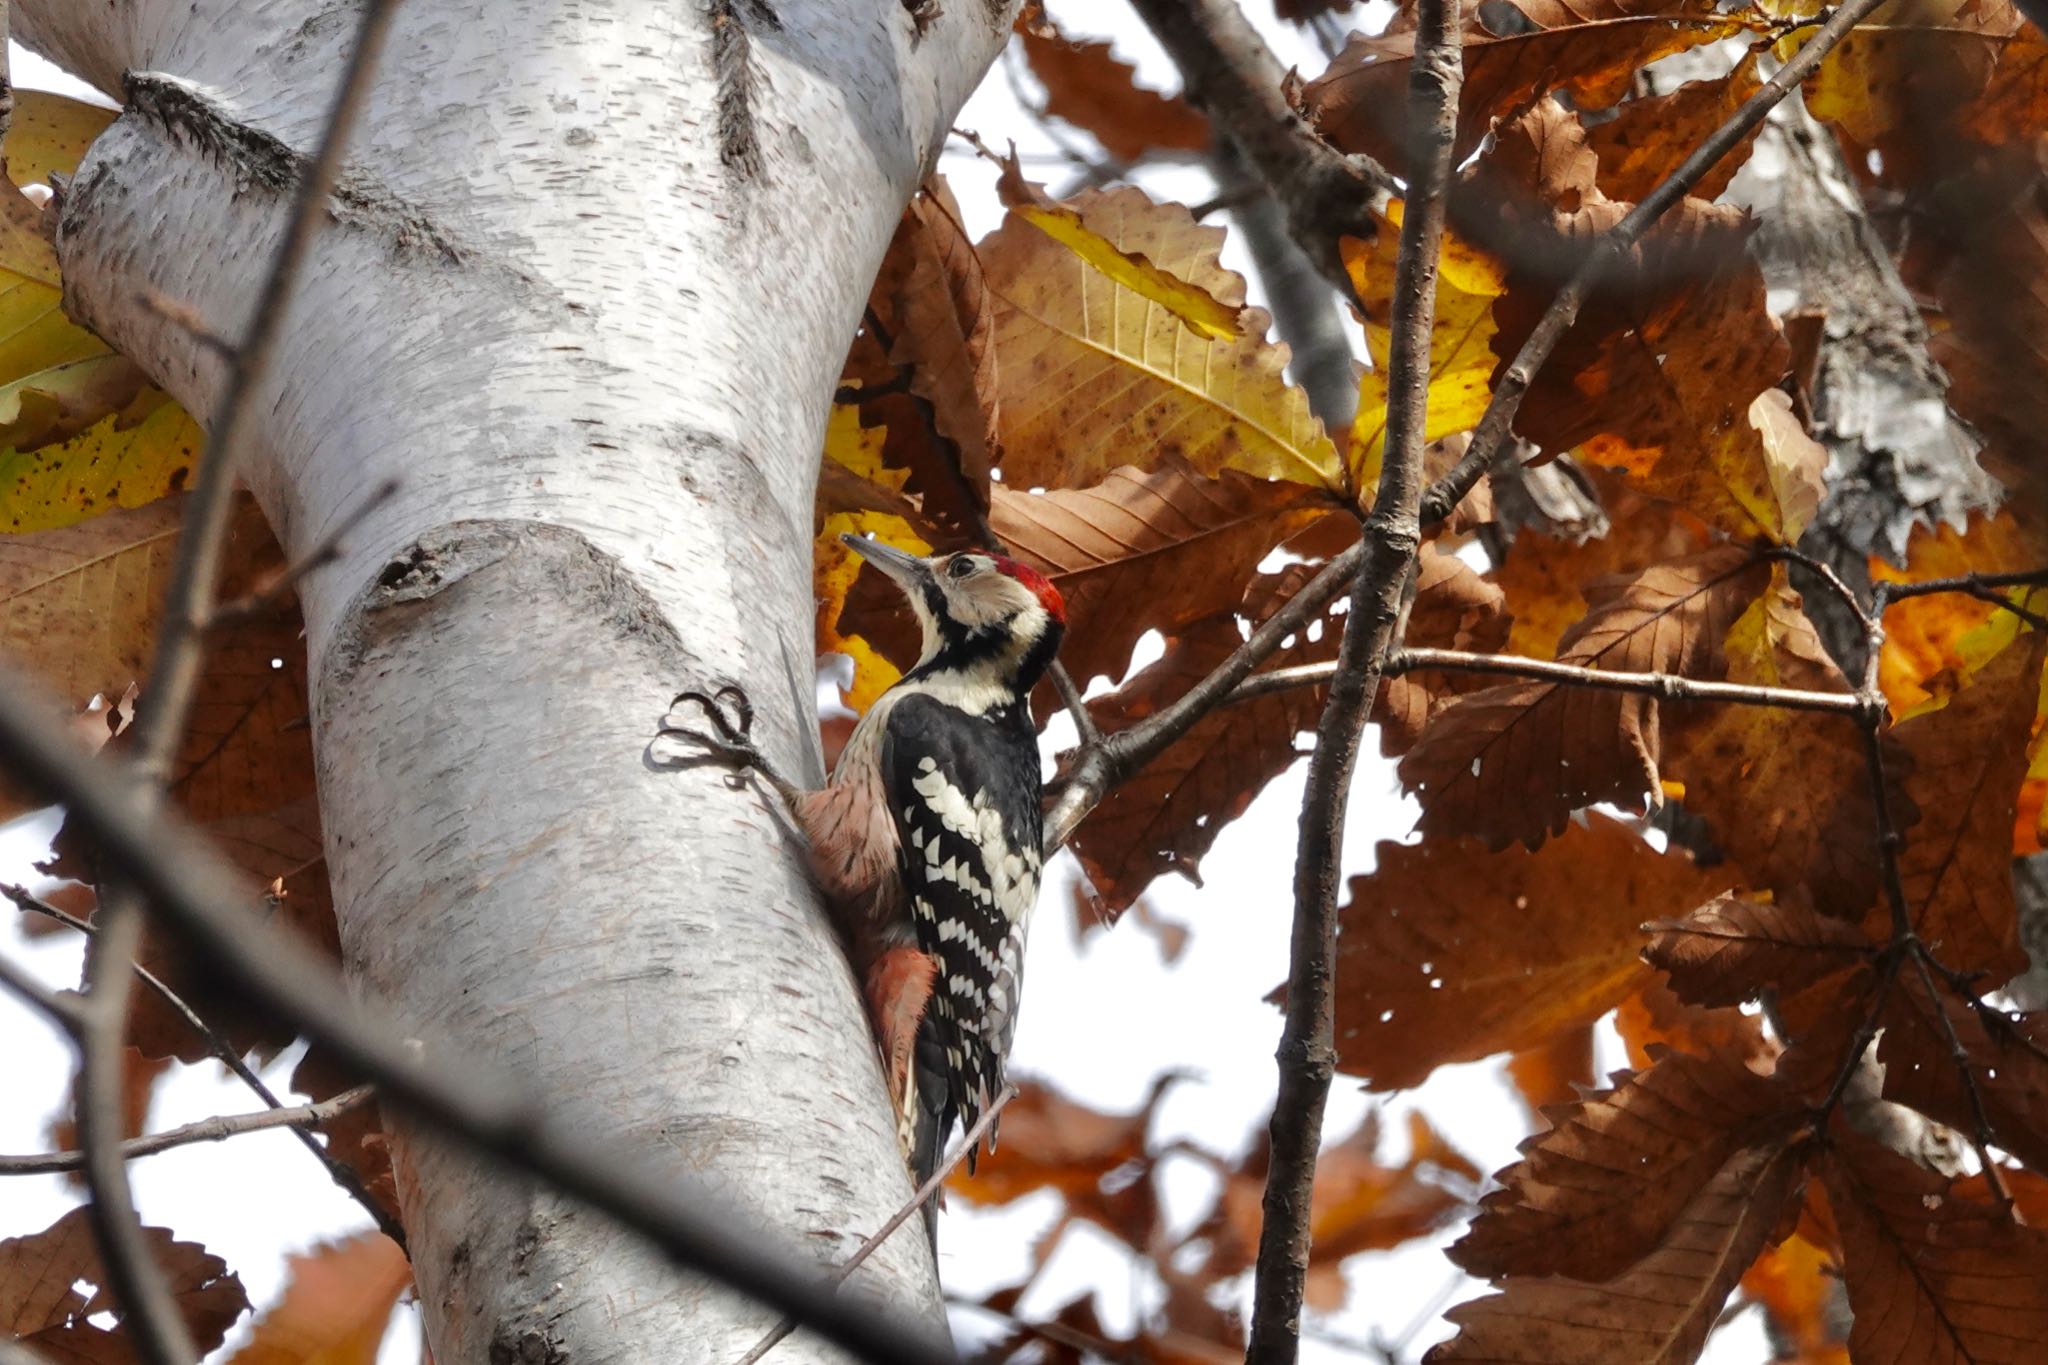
592,270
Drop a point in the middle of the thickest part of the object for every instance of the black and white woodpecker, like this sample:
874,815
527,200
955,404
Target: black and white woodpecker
926,839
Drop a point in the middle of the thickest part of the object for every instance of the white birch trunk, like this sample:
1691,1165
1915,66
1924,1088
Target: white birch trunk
593,270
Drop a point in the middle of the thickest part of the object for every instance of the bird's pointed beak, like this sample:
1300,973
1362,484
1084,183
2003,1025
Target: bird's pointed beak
906,570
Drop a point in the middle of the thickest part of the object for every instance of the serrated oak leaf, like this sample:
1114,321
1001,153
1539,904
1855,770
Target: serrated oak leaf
1448,953
1544,577
1647,138
1461,361
1731,950
1657,1312
1513,762
1093,372
1600,1190
2008,1063
1147,549
42,1310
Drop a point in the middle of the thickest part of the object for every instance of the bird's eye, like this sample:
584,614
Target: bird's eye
960,567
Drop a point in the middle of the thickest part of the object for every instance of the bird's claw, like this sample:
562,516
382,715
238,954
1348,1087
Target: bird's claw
730,735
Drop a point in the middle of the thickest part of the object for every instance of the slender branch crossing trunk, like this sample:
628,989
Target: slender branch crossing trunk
592,272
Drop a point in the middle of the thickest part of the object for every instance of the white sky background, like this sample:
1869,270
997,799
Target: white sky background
1099,1022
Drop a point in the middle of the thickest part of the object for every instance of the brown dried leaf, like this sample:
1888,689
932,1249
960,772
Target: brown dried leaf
1730,950
1814,840
1591,48
1660,1310
1670,371
1086,85
1147,550
1935,1278
42,1311
1513,762
1166,817
336,1306
1968,760
1448,953
931,312
1600,1190
1654,1019
78,607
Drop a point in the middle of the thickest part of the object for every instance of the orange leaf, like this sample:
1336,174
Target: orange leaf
336,1306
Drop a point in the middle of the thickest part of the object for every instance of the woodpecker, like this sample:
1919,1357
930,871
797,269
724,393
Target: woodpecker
926,839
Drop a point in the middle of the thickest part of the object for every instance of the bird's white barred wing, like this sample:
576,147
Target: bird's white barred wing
966,803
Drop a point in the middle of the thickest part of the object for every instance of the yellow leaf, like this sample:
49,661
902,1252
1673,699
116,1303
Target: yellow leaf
127,459
50,133
833,570
1205,314
1461,358
858,449
1095,374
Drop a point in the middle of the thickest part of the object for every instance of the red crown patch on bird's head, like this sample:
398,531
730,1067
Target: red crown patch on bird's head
1041,587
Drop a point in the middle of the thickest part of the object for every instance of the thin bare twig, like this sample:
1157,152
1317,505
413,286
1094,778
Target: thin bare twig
225,1052
1495,424
1664,686
215,1129
1098,767
199,894
1393,534
1966,583
137,1285
926,1191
